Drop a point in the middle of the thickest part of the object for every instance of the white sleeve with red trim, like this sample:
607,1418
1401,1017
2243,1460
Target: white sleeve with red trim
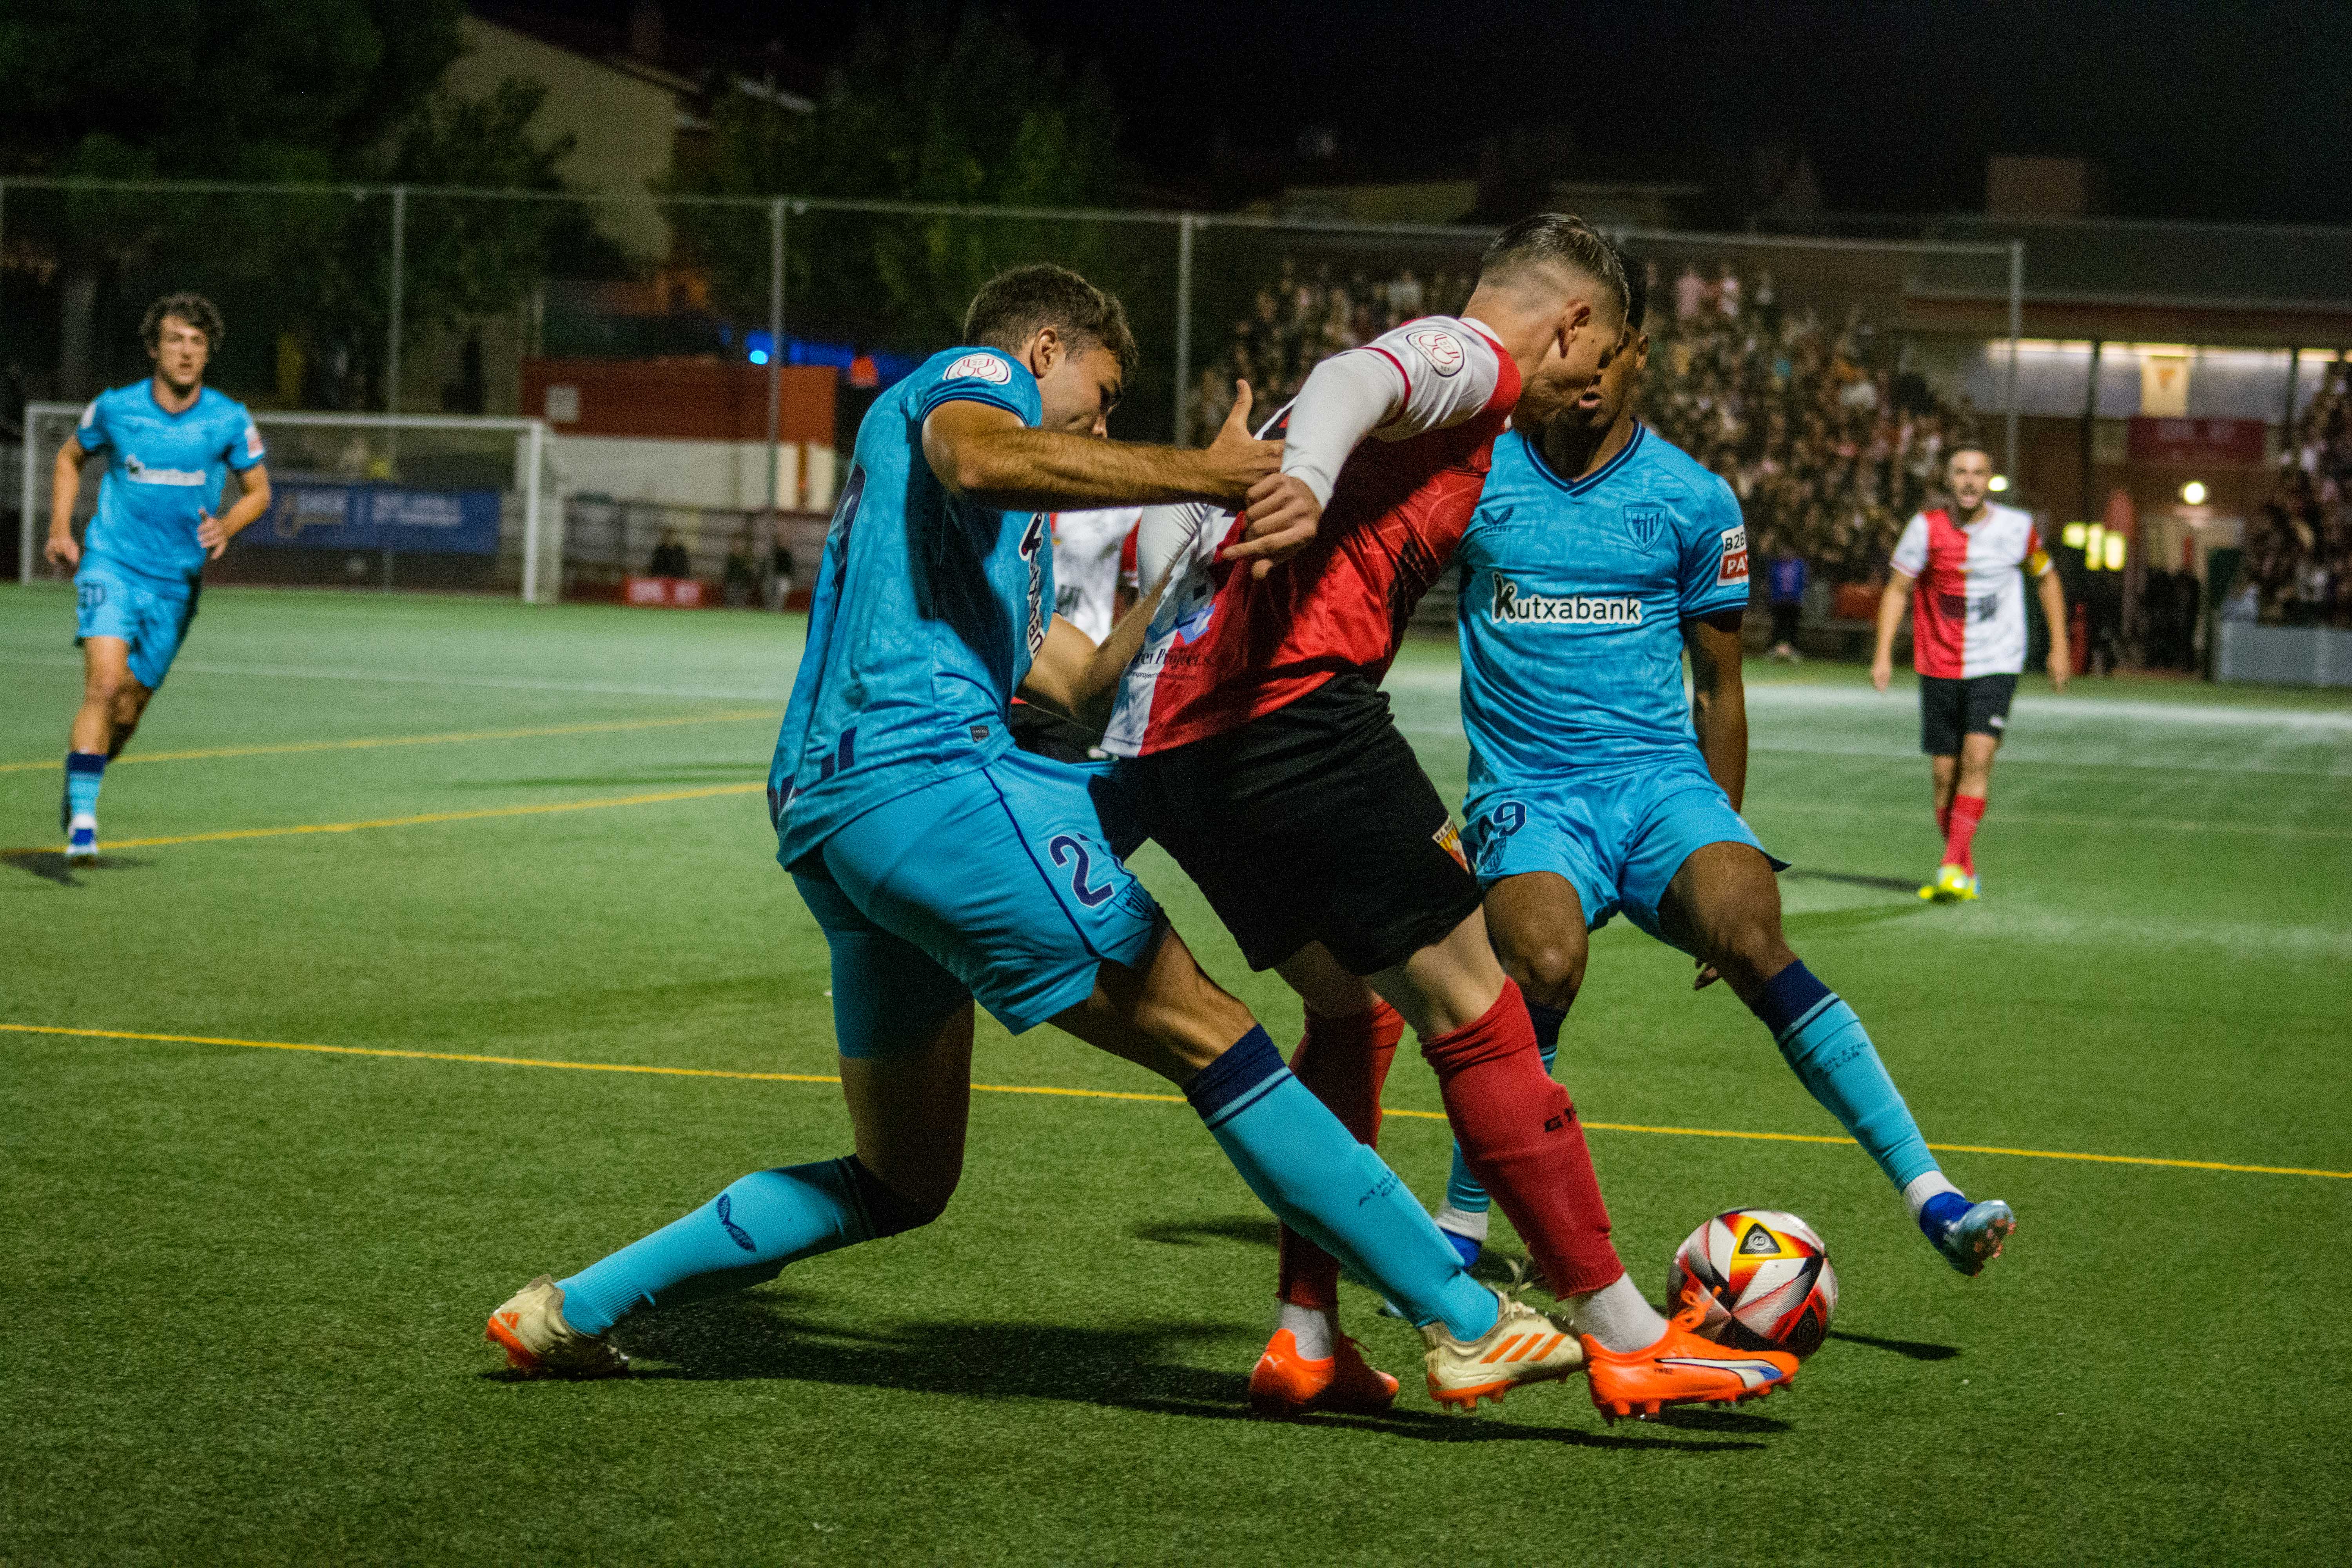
1424,375
1910,556
2037,558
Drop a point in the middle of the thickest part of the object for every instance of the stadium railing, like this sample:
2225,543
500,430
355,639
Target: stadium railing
753,332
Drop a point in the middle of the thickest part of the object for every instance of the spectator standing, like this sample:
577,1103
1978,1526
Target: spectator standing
741,579
1786,584
669,557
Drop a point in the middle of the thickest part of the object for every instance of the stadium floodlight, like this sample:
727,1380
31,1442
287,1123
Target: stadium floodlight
464,501
1998,483
2193,492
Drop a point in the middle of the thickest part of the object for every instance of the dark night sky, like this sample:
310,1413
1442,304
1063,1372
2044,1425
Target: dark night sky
2236,112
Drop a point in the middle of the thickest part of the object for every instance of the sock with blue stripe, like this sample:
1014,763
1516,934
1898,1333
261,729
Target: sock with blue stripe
1466,1202
84,772
1336,1193
1832,1056
742,1237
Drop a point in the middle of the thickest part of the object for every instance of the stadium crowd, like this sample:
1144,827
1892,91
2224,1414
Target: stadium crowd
2298,567
1829,456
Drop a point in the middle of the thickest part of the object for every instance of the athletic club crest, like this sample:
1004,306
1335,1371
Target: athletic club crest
1644,523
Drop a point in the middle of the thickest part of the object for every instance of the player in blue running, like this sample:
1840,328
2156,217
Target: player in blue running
946,865
172,445
1598,557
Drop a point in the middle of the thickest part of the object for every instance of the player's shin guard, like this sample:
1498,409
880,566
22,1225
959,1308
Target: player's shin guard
1960,838
85,772
1304,1165
741,1237
1831,1055
1343,1062
1462,1193
1520,1132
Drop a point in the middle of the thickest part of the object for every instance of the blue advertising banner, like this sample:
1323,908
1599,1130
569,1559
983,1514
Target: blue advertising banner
313,514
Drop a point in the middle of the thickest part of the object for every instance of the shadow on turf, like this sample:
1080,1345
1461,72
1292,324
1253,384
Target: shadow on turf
1917,1349
1853,880
761,1337
1493,1267
50,866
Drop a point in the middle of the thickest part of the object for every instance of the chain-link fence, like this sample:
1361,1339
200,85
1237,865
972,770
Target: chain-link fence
701,361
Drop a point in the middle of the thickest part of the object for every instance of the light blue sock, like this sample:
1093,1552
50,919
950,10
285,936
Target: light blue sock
1462,1189
1831,1055
1311,1172
85,771
741,1237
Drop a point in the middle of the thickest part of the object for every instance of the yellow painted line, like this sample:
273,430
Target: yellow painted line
419,821
1114,1094
452,737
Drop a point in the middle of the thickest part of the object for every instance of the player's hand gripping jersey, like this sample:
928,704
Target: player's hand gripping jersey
1968,616
1574,595
926,612
1226,647
163,473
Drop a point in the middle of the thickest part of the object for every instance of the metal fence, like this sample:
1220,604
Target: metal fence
412,300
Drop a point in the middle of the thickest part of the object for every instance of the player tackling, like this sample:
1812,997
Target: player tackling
945,866
1960,571
1600,555
172,443
1262,756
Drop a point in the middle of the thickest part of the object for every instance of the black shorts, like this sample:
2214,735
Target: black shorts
1048,734
1949,708
1313,823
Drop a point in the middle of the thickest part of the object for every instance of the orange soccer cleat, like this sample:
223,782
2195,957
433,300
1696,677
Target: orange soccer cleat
1286,1383
1680,1369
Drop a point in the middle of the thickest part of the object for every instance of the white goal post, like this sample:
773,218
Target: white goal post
367,487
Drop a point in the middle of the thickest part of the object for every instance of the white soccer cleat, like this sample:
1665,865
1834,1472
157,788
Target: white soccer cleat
539,1343
82,840
1523,1346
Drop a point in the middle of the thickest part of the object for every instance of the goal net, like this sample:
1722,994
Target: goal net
371,501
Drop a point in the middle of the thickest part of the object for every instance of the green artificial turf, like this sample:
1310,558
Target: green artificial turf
244,1287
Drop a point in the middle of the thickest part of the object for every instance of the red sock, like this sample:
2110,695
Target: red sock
1968,810
1344,1061
1519,1134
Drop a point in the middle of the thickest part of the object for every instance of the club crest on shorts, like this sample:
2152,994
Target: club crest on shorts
987,367
1448,837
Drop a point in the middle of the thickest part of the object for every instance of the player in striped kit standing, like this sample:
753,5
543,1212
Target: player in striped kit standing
1961,569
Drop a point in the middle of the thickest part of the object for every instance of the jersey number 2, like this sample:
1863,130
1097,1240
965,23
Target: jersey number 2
1067,847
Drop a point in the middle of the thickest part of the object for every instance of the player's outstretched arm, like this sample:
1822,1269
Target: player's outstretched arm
62,547
215,532
1346,398
2053,611
984,454
1079,679
1891,606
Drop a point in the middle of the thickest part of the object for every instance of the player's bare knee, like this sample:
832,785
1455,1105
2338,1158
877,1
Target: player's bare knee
1550,972
908,1201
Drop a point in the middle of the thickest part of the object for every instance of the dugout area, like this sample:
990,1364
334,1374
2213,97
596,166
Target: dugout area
319,1065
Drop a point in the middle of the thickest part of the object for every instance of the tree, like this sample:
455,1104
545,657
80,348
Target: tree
931,105
292,92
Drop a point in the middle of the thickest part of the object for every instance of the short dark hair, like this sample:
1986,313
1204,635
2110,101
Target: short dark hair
1637,287
1013,306
1968,443
194,309
1558,239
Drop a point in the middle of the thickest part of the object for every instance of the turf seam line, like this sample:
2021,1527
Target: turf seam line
649,1071
371,742
223,835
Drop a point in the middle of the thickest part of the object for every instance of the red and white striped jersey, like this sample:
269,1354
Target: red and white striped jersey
1094,553
1225,646
1968,615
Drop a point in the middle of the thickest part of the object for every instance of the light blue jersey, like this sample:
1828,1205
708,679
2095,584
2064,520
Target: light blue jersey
1582,760
925,615
1573,600
163,473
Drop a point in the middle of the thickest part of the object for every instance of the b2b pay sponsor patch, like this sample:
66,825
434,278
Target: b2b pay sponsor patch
1735,557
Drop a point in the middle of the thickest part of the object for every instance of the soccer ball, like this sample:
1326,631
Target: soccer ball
1766,1280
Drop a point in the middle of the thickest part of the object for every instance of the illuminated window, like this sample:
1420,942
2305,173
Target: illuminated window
2115,546
2072,534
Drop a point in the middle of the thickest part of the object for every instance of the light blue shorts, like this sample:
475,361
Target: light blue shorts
999,884
1619,837
113,603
